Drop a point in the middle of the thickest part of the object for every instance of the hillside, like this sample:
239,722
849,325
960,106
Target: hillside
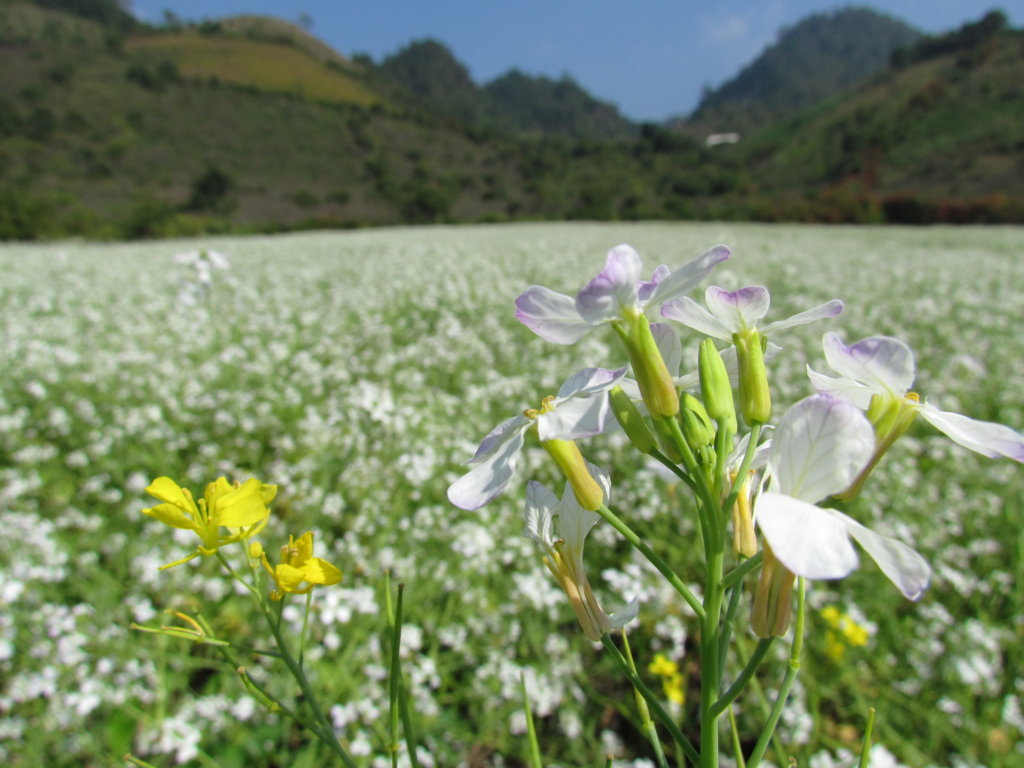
811,61
113,132
942,125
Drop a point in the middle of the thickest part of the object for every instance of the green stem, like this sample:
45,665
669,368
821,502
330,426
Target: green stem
787,682
652,700
748,459
865,749
741,682
650,729
394,674
674,468
709,644
531,731
305,623
325,730
726,635
742,570
653,558
737,748
700,480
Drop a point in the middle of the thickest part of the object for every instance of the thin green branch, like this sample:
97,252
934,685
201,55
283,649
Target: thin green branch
652,700
741,570
653,558
748,672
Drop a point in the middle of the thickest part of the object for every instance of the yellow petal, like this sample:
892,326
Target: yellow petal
287,577
303,549
171,514
268,492
318,571
167,490
240,508
216,490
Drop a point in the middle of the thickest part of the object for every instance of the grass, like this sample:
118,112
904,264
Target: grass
269,66
358,371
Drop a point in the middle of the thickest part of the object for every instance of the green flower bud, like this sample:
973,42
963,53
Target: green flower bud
697,427
715,388
569,459
631,421
755,397
656,385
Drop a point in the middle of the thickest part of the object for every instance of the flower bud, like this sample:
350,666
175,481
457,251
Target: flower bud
715,388
773,598
891,417
755,397
569,459
631,420
744,540
697,427
656,385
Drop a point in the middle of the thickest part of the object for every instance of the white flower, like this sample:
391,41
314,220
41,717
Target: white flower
819,447
876,373
563,552
616,290
732,312
580,409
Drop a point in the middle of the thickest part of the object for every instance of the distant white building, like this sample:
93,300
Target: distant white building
715,139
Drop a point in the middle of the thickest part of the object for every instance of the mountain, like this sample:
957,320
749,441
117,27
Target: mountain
811,61
944,124
243,125
430,76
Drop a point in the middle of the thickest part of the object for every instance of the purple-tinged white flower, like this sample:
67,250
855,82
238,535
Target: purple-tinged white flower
579,410
616,293
730,312
819,447
562,542
876,374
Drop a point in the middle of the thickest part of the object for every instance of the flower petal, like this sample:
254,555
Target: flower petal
845,389
492,473
904,567
883,363
810,541
668,344
738,309
497,437
683,280
575,418
171,514
243,506
589,381
819,447
693,315
317,571
984,437
621,618
828,309
541,504
645,289
614,287
551,315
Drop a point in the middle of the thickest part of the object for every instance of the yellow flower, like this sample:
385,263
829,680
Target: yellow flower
241,508
671,678
298,566
844,633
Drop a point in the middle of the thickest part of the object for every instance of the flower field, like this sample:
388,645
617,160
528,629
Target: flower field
358,371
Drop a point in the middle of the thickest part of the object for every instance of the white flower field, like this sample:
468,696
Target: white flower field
358,371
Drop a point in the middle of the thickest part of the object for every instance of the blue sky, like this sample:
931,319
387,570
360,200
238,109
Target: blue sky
648,57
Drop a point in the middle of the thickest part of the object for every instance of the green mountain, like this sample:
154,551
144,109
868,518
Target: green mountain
114,131
429,75
820,56
942,126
